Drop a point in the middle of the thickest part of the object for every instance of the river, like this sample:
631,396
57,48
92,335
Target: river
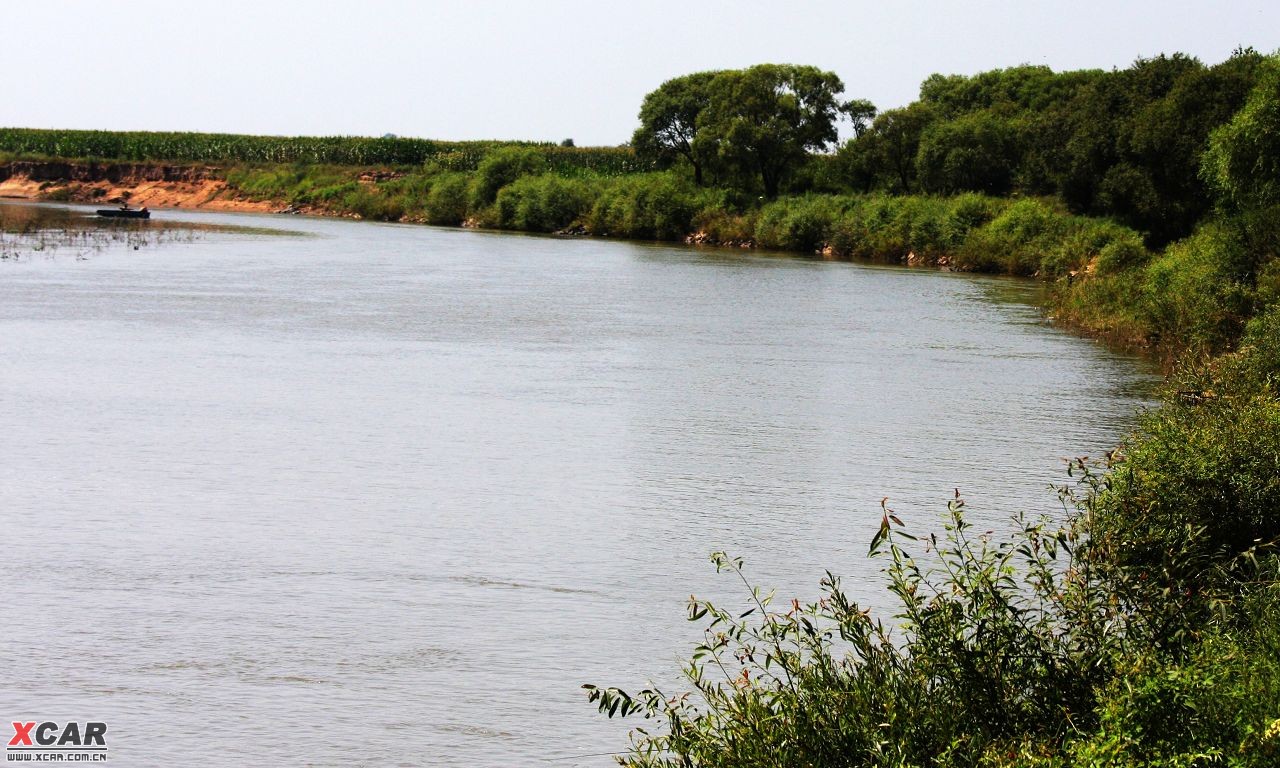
379,494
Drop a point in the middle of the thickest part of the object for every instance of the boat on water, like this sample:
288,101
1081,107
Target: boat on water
124,213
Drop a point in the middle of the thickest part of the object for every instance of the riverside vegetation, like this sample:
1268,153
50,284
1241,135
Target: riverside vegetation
1139,628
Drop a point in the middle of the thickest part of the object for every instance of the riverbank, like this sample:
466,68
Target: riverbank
515,189
139,184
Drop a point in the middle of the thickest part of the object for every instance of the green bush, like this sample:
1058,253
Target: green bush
860,230
1191,296
1121,253
1109,306
1203,472
968,212
1218,706
1026,220
1016,241
723,225
543,203
503,167
649,206
891,228
446,203
798,223
1258,360
1084,242
369,203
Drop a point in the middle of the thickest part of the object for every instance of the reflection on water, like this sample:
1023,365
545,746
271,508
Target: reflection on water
390,494
28,230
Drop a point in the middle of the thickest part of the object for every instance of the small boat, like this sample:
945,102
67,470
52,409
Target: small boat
124,213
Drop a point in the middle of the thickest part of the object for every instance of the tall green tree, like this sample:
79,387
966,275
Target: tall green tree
977,152
860,112
669,122
1242,163
763,121
884,155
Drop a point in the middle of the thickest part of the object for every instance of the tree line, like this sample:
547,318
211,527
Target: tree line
1126,143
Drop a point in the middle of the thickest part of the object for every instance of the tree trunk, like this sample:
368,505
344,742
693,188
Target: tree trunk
770,181
770,187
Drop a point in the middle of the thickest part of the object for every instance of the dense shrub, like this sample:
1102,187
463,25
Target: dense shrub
1032,650
1091,243
1257,362
1122,252
1204,471
798,223
446,203
966,213
1109,306
1217,706
1191,296
545,203
1016,241
892,228
650,206
501,168
723,225
370,203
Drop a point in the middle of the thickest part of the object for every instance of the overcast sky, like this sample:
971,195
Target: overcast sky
538,70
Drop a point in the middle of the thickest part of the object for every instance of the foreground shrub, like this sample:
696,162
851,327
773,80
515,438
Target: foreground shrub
1219,706
1038,649
1192,297
1002,640
1203,472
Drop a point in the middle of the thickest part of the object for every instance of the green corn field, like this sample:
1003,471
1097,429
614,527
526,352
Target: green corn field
223,148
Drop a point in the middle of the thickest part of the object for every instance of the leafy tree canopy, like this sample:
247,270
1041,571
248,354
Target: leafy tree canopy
751,127
1126,143
1243,160
669,121
763,121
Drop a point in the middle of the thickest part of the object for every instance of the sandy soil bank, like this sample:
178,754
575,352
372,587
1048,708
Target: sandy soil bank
200,193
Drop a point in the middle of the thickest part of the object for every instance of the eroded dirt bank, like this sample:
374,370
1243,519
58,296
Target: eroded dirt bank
151,185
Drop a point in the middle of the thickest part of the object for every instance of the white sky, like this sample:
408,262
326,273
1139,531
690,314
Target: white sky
546,70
